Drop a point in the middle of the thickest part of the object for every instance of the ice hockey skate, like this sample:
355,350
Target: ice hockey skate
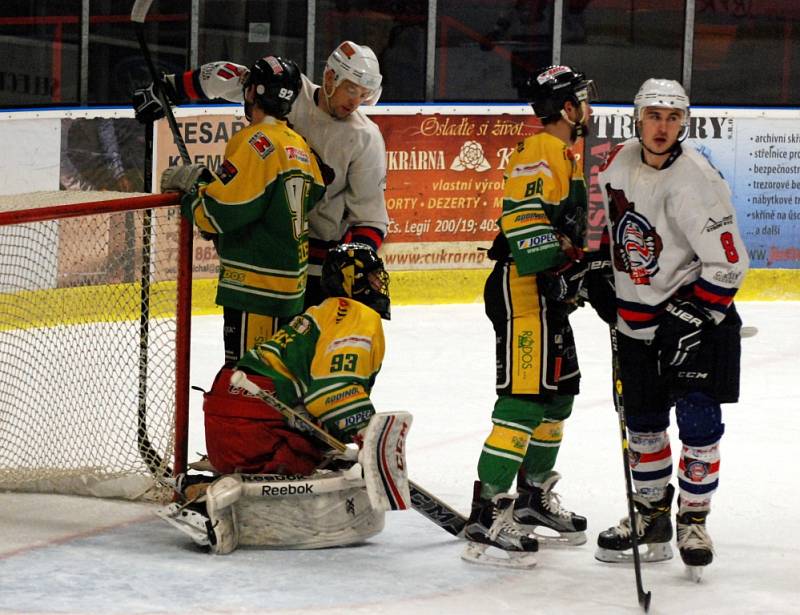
538,511
494,539
694,543
654,531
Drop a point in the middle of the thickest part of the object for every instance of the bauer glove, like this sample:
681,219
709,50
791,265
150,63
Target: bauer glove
599,289
563,284
679,335
185,177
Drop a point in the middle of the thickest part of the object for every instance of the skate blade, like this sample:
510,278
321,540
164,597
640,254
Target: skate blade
553,539
695,573
187,521
659,552
476,553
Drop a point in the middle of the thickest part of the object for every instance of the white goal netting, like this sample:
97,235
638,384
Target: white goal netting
88,343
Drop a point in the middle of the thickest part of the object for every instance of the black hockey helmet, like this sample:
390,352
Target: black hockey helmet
550,87
355,270
277,85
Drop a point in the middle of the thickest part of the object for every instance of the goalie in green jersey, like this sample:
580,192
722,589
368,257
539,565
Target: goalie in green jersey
276,486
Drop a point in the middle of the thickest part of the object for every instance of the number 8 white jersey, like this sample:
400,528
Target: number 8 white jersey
672,230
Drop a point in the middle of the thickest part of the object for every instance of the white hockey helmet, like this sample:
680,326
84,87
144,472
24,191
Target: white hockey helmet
359,64
664,93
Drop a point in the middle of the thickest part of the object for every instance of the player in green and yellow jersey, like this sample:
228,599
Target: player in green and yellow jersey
528,296
256,207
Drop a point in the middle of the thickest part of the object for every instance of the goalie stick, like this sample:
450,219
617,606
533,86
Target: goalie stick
424,502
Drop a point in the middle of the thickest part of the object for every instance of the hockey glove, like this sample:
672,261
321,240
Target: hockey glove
679,335
598,288
564,284
146,104
185,177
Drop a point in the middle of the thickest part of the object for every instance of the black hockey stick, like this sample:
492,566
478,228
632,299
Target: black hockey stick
425,503
147,452
138,15
619,404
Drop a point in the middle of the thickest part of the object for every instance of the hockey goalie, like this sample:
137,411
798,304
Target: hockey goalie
275,482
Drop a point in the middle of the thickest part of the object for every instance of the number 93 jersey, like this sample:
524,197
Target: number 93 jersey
328,358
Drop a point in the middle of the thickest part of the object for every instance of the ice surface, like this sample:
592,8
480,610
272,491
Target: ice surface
79,555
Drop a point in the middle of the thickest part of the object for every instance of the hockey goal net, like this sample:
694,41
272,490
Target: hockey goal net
95,305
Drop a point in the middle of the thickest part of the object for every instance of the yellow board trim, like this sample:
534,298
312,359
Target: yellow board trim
437,286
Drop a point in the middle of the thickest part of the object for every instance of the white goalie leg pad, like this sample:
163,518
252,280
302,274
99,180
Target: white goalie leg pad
190,522
325,509
221,498
383,457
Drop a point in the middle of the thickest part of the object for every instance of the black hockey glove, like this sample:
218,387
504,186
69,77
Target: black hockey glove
146,104
563,284
679,335
598,287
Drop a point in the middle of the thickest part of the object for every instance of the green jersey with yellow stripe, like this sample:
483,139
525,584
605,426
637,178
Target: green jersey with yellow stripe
544,197
258,205
327,358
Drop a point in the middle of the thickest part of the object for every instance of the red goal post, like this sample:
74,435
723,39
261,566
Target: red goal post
95,317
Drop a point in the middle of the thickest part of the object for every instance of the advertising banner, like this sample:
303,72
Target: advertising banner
444,182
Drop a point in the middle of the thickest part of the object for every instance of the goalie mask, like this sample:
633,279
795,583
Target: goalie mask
354,270
666,94
549,88
358,64
276,85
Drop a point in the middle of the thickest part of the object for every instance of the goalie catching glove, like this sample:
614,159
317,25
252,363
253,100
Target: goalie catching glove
680,332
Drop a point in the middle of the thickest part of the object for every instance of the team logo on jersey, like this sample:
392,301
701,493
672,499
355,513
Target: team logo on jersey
261,144
226,171
294,153
637,245
300,324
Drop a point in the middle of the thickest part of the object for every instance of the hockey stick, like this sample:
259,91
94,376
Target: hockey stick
425,503
138,15
149,455
749,332
619,404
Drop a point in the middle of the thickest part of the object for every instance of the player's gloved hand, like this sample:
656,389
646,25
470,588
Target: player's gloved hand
598,287
185,177
679,335
563,284
147,106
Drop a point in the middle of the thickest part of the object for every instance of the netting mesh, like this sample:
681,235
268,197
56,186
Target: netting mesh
87,350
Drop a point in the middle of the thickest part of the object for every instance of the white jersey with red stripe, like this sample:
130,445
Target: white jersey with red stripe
353,147
673,232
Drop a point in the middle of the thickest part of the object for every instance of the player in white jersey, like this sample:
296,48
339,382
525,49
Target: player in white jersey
328,116
678,260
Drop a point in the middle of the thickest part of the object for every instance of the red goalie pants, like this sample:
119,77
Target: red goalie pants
243,434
